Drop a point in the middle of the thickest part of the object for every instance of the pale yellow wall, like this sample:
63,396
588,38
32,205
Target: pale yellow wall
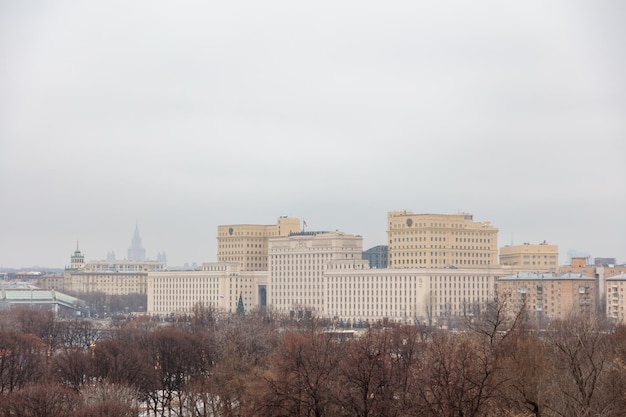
537,257
439,240
113,283
247,244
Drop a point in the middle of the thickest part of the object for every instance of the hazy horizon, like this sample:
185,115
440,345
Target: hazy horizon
182,117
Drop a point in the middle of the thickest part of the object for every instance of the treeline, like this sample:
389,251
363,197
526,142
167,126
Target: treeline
260,366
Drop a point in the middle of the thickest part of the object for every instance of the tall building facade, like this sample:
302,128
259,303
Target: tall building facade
297,264
440,240
541,257
247,244
217,284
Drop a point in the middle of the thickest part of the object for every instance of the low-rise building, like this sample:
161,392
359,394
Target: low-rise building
541,257
218,285
436,296
109,277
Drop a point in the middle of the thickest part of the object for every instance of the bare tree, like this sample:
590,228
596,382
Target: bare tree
581,350
22,360
301,377
366,383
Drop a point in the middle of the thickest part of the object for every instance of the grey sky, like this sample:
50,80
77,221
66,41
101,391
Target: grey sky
184,115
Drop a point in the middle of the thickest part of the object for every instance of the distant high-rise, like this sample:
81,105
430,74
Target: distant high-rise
136,252
377,256
162,257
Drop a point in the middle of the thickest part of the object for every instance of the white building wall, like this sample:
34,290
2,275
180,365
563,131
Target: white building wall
217,285
297,264
358,293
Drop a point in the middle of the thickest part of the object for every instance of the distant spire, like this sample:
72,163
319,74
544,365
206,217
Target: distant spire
240,309
77,249
136,252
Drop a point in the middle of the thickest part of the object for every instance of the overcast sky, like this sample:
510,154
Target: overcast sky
183,115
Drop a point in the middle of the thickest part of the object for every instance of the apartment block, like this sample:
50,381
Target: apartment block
440,240
548,295
616,298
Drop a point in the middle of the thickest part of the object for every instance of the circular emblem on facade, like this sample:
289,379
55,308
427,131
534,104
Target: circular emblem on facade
230,230
409,222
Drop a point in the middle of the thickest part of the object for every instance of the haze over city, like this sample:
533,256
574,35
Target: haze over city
181,117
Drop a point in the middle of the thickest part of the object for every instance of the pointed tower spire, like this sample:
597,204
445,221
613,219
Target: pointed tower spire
240,309
136,252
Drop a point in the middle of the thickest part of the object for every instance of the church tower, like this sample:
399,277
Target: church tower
136,252
77,259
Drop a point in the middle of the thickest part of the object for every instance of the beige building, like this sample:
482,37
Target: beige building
323,273
532,258
358,293
247,244
218,285
580,265
112,278
108,282
297,264
548,295
440,240
616,299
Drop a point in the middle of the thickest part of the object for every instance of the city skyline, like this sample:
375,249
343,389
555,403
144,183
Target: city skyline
184,117
563,257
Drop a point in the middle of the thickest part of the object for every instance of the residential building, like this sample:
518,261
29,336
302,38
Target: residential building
377,256
541,257
217,285
247,244
548,295
440,240
616,298
580,265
